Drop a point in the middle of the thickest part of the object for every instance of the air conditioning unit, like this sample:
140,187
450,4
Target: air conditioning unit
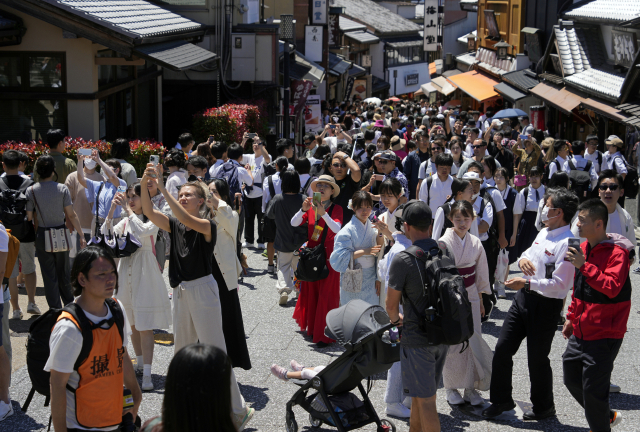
254,54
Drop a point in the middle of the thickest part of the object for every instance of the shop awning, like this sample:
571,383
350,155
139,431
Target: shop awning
443,86
305,69
508,92
476,85
606,110
338,65
432,68
563,99
428,88
363,37
175,55
357,71
378,84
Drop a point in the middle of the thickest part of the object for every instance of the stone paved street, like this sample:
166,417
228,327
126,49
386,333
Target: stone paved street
273,337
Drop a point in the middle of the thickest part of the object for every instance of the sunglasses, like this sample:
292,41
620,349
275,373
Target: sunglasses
337,165
435,148
612,187
477,146
382,161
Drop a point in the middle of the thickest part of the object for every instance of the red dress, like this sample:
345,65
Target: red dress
316,299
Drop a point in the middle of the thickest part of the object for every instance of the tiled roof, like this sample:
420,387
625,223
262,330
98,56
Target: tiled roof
521,79
606,10
509,92
488,60
633,110
347,25
176,55
403,42
135,18
376,16
467,58
363,37
595,81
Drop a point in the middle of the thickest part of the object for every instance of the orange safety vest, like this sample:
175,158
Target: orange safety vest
98,398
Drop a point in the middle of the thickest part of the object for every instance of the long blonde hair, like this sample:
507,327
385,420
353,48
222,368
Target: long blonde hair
550,151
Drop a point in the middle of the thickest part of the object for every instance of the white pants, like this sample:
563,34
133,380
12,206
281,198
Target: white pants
287,264
197,317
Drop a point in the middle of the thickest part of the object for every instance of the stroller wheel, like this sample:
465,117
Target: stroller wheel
387,426
292,425
314,421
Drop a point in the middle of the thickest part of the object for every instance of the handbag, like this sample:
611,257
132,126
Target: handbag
352,277
56,239
520,180
312,263
119,246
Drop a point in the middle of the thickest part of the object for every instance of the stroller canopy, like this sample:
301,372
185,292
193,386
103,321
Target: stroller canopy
355,321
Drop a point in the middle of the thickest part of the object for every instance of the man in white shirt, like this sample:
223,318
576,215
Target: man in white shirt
535,310
333,135
428,167
252,201
219,152
613,159
562,149
472,136
580,163
527,127
435,190
593,154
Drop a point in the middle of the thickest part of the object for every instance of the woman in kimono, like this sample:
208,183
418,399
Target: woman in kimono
357,241
470,369
141,287
390,192
461,190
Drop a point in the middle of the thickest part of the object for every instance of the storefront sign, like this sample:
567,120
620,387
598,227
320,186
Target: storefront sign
319,15
313,43
366,61
359,89
430,25
625,46
349,87
334,30
411,79
313,114
300,92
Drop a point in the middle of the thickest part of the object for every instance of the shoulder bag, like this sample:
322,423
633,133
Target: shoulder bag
56,239
352,277
312,265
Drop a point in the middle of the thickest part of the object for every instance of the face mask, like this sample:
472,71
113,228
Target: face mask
475,196
89,164
545,214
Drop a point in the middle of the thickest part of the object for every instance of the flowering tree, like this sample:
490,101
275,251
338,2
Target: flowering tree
140,150
228,123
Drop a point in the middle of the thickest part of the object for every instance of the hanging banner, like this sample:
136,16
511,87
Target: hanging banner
313,43
348,87
319,14
313,114
334,30
430,25
299,92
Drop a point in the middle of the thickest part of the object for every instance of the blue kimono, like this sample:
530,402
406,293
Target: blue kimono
352,237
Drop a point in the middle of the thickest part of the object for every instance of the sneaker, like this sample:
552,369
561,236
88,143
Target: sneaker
613,388
261,246
637,270
241,420
17,315
296,366
138,369
6,410
500,291
264,254
284,298
279,372
271,269
454,398
147,384
32,308
473,397
246,244
397,410
617,418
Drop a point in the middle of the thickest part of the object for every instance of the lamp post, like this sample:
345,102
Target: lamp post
286,34
501,49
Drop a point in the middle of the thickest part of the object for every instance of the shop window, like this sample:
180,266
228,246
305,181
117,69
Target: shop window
45,72
26,120
33,72
405,55
10,72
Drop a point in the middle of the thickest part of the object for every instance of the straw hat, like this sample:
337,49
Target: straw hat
397,143
328,180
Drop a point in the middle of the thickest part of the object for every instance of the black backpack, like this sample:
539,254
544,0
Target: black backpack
580,181
38,343
493,229
448,318
631,179
13,208
545,177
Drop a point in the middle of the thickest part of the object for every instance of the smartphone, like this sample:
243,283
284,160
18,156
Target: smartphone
122,189
379,177
574,243
332,126
154,159
85,151
251,135
524,137
317,198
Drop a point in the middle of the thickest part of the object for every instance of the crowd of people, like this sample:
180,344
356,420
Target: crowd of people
375,183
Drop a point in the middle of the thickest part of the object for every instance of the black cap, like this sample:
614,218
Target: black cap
417,213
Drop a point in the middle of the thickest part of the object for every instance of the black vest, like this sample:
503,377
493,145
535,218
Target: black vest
584,292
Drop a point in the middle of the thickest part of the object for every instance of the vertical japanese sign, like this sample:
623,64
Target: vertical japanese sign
319,13
313,114
334,30
313,43
431,25
301,89
348,88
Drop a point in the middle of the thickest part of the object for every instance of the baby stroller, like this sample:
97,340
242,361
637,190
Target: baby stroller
359,327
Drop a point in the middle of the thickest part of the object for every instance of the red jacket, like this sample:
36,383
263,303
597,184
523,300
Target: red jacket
601,299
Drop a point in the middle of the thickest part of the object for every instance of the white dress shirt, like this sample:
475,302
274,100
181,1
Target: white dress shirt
487,216
594,159
580,163
437,194
266,194
427,168
531,203
553,167
496,196
213,168
550,247
256,171
615,162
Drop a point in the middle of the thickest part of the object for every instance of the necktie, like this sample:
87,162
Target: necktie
537,196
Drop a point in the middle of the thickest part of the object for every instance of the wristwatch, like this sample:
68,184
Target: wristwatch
527,286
